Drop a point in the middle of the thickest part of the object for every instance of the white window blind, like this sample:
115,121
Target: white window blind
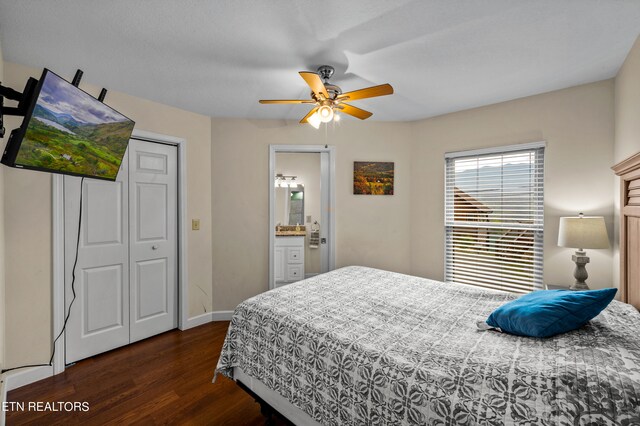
494,202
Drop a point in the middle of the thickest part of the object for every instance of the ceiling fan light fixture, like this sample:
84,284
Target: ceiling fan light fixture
328,98
314,120
325,113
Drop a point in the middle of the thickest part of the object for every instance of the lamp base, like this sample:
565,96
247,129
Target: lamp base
579,286
580,273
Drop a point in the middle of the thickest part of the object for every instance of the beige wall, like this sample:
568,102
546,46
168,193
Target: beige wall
306,166
28,222
405,232
2,271
371,230
627,106
627,126
576,123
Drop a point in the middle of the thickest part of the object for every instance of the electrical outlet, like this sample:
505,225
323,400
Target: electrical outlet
195,224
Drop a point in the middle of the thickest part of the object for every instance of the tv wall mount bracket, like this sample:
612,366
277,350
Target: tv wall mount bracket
22,99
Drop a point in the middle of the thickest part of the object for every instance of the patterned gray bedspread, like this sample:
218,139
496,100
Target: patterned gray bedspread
360,346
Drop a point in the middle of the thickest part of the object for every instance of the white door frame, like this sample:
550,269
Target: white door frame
273,149
57,195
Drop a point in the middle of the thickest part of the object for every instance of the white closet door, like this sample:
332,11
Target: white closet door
153,238
99,319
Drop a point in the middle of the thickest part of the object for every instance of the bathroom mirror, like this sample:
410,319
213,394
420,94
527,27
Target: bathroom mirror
290,205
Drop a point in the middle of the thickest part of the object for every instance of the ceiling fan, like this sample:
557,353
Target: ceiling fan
329,99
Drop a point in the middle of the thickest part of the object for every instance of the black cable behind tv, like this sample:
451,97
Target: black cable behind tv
73,291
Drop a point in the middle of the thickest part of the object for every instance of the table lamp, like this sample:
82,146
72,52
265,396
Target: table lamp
582,232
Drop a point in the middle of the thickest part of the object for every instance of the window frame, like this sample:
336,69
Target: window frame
537,212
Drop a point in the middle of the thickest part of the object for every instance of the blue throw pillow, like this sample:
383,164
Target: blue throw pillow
546,313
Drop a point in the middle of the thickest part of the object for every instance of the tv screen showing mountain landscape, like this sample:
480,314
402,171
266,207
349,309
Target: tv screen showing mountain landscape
72,132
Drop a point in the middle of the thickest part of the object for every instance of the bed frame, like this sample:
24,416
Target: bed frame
629,172
272,404
266,410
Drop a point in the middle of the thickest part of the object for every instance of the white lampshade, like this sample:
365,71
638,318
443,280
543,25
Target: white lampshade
325,113
314,120
583,232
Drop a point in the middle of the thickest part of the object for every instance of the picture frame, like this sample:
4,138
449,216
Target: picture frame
373,177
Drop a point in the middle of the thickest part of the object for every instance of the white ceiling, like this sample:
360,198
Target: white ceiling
219,57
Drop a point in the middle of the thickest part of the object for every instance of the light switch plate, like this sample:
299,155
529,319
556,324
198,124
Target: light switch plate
195,224
308,219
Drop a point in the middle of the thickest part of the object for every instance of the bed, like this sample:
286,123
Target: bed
364,346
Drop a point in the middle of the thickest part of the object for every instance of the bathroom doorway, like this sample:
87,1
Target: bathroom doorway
301,212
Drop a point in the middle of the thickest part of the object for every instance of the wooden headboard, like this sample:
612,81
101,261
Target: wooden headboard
629,172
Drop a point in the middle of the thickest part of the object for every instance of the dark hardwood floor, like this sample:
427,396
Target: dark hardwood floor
165,379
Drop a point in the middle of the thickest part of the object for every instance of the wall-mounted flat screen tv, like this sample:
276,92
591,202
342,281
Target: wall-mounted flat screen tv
68,131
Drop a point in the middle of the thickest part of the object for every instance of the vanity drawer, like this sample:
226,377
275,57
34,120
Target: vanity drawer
295,254
295,272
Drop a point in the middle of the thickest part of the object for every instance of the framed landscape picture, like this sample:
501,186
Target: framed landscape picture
373,178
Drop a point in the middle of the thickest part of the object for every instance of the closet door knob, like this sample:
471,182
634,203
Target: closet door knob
154,247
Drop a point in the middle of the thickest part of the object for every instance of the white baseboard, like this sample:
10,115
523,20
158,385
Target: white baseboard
198,320
222,315
26,376
207,317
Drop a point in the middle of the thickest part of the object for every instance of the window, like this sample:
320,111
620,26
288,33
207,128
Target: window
494,217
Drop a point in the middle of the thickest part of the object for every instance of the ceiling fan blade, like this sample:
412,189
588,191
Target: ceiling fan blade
287,101
354,111
315,82
369,92
304,120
